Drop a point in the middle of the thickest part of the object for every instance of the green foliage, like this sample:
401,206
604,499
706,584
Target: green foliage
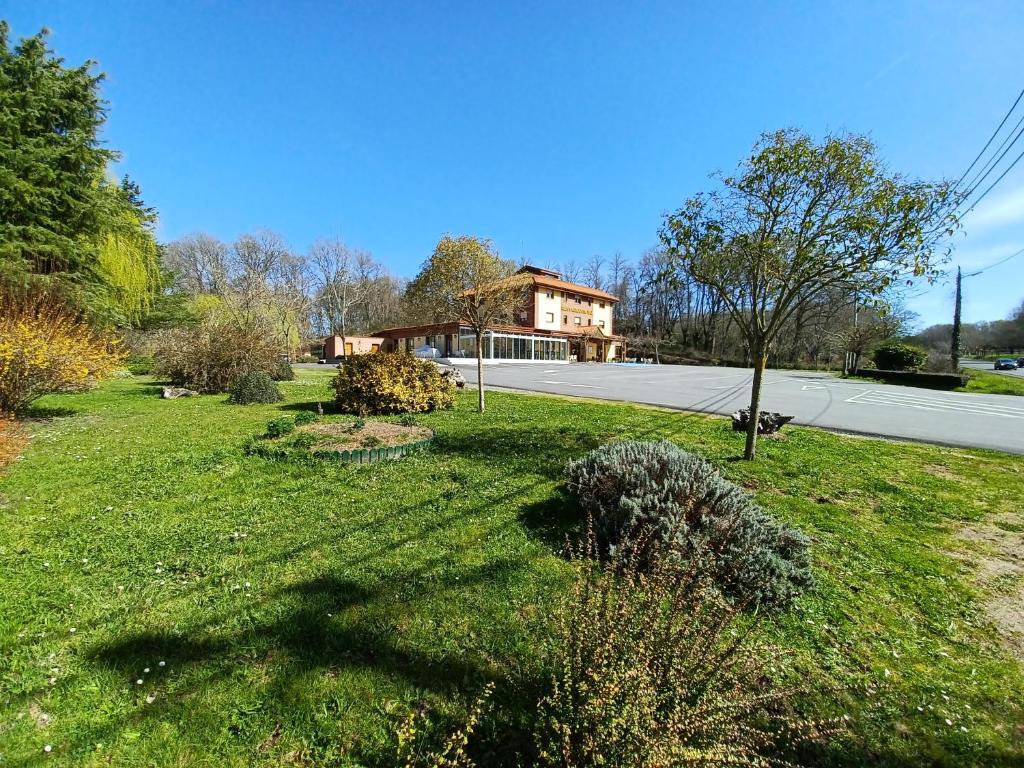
304,417
407,420
283,371
256,387
391,383
358,424
441,572
371,441
303,440
213,355
651,497
280,426
897,356
651,667
140,365
63,226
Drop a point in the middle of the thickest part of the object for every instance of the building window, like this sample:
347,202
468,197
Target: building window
565,319
601,305
549,317
600,323
576,320
589,321
550,294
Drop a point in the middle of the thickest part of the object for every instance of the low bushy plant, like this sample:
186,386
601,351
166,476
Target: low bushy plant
140,365
255,387
212,356
897,356
282,371
47,348
674,501
389,383
304,417
652,667
281,426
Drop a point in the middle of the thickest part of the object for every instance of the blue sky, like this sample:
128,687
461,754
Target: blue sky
559,130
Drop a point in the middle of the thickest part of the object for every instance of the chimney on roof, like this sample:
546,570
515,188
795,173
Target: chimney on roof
540,271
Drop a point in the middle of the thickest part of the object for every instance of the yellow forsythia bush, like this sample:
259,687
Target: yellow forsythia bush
46,348
391,382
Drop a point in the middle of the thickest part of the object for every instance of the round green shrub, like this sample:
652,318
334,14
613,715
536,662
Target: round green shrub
282,371
896,356
304,417
389,383
648,498
140,365
255,387
281,426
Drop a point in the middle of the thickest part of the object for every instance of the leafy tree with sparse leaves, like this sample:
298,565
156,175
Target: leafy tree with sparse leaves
466,281
801,218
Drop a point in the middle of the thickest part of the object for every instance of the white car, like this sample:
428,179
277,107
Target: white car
427,351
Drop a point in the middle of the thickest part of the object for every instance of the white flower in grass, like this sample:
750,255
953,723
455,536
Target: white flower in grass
139,681
247,585
151,698
73,630
110,509
948,721
47,748
162,663
145,671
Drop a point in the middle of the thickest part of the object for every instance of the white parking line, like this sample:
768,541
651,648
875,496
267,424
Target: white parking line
925,403
569,384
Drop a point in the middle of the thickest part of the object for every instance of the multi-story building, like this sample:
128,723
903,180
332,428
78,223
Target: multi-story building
558,322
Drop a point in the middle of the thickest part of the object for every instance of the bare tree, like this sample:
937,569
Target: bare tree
466,281
337,279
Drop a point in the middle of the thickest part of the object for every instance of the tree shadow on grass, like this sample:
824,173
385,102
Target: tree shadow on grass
556,521
531,449
327,626
47,413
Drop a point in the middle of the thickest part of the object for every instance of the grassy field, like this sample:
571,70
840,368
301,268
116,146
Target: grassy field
992,383
168,600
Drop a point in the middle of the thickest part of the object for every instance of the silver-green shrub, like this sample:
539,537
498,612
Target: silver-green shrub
647,497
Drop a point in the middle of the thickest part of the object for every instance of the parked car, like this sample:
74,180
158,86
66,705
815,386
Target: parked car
321,361
1006,364
1020,362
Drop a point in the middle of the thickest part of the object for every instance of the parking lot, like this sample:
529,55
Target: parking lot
813,398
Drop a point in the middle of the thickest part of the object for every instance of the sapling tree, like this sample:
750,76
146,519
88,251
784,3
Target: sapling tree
466,281
798,219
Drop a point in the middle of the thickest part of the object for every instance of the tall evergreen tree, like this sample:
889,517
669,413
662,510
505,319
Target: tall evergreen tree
63,225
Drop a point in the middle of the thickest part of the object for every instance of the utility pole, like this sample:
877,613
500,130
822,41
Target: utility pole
954,350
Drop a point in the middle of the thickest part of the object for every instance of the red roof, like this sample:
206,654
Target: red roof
548,279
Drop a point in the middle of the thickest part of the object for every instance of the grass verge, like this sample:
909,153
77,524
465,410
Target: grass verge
992,383
168,600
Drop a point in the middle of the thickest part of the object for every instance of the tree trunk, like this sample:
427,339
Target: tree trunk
480,370
760,360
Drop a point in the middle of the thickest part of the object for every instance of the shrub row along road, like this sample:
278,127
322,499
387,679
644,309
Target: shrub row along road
814,398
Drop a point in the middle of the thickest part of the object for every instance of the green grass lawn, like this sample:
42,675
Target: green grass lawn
992,383
281,613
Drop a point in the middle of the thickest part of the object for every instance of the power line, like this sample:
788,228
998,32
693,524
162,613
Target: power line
992,137
979,199
996,264
991,164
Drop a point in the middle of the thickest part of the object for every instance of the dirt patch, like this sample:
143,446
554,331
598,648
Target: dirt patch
939,470
343,436
998,555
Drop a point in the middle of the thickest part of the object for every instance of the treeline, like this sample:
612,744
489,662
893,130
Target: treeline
259,281
670,317
982,338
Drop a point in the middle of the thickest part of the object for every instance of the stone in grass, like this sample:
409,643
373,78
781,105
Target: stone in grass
768,422
170,393
454,375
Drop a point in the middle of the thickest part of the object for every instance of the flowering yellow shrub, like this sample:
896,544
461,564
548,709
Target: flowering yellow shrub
45,348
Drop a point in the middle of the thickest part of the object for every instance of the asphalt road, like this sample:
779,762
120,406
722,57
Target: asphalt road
981,365
815,399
